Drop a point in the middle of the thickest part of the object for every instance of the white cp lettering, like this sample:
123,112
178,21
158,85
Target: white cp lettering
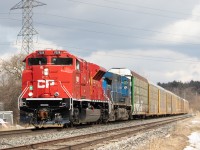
45,83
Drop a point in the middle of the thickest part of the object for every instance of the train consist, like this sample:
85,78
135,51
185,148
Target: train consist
59,88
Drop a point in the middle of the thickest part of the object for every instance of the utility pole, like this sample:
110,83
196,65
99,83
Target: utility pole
27,32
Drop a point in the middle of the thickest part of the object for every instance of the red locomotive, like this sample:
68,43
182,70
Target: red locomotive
58,87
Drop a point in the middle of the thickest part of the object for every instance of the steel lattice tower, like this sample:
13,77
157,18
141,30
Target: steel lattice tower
27,32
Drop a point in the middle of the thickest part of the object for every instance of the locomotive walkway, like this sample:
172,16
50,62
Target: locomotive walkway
83,141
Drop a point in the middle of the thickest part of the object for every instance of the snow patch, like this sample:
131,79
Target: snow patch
3,123
168,135
194,140
195,122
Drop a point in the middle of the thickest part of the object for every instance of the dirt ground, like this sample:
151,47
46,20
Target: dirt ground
178,139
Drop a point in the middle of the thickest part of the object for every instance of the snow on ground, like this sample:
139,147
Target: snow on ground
194,140
195,122
194,137
3,124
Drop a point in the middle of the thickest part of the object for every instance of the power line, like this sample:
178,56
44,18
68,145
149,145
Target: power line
121,54
121,9
7,13
108,24
157,9
119,35
117,26
127,55
130,36
136,5
122,35
112,34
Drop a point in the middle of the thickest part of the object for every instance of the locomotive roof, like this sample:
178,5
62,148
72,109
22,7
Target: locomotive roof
128,72
51,52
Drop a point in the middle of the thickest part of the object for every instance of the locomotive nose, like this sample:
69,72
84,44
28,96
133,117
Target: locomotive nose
45,80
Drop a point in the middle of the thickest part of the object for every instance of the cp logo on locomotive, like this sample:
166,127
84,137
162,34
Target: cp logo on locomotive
45,83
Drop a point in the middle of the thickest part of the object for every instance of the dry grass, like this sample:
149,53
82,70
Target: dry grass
177,139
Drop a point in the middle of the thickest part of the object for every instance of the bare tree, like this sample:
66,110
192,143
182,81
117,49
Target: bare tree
10,82
13,66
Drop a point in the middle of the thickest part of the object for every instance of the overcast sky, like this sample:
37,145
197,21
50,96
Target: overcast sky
159,39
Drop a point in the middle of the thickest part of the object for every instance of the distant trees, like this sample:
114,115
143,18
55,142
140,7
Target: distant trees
10,82
195,85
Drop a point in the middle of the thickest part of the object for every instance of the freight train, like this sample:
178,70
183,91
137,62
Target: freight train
59,88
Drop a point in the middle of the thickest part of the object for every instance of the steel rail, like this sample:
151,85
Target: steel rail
27,131
15,132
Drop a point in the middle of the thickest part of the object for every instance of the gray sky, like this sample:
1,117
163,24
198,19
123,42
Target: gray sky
156,38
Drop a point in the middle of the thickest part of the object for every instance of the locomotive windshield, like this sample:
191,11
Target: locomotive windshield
37,61
62,61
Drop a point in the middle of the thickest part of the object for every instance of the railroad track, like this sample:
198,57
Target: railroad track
15,132
27,131
83,141
33,130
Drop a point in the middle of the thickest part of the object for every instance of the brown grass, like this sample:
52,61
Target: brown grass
178,138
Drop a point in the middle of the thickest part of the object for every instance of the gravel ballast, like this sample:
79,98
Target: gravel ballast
36,138
134,142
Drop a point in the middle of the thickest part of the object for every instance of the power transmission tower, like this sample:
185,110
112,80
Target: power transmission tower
27,32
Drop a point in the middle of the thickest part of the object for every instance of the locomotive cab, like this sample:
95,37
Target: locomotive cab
47,85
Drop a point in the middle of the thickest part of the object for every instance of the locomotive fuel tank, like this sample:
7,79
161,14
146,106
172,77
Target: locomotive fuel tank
89,115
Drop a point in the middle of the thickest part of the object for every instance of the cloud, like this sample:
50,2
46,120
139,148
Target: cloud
129,41
156,65
46,44
184,30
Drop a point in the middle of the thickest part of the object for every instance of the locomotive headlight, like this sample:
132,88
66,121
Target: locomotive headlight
41,52
30,94
56,94
57,52
46,71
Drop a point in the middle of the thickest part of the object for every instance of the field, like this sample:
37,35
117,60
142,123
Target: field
186,135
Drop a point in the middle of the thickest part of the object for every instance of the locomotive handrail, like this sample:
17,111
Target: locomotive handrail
71,106
106,96
21,95
65,90
111,95
109,102
69,95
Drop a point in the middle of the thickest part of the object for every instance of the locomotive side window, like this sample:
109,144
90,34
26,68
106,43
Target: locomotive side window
77,65
62,61
37,61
